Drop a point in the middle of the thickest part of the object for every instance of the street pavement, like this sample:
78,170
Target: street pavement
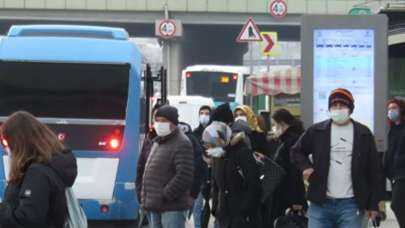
389,223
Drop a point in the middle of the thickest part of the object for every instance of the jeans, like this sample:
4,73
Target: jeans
198,210
335,213
168,219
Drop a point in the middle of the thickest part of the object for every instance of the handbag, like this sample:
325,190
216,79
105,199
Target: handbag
292,219
271,174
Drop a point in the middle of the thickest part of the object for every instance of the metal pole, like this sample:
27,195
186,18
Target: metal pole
251,57
148,84
166,11
251,67
268,63
168,62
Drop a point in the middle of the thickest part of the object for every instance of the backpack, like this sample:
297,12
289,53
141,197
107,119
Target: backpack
76,218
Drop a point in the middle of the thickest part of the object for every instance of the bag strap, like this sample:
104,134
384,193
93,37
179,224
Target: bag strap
277,153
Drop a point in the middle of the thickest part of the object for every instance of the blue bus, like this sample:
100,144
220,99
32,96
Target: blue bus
83,82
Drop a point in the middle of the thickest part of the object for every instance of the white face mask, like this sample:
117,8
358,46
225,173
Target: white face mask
216,152
340,116
204,120
162,129
243,118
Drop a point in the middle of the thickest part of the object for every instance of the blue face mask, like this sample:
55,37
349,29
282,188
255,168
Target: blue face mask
393,114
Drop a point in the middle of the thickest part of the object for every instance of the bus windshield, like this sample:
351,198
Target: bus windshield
220,86
64,90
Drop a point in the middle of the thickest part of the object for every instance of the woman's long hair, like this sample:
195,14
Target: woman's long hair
283,115
29,141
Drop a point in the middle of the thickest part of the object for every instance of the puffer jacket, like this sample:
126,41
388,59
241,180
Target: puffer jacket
168,174
39,200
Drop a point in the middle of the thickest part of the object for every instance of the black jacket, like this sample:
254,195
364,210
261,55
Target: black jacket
143,157
291,189
236,183
39,201
399,158
394,137
367,173
199,131
200,167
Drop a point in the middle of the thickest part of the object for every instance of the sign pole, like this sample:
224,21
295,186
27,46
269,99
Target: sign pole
250,33
268,63
169,29
251,57
251,67
166,46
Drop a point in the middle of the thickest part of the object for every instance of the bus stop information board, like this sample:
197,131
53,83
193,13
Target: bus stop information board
348,52
344,58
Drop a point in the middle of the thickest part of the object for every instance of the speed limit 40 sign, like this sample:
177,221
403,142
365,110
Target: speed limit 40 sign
278,8
168,28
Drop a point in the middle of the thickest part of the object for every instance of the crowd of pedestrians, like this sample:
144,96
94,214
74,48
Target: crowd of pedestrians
330,174
228,169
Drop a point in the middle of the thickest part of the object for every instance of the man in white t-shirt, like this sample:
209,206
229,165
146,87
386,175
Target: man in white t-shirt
345,175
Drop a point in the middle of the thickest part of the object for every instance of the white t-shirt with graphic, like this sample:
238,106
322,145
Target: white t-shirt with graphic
340,170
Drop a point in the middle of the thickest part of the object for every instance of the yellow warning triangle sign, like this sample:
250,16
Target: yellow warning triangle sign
250,32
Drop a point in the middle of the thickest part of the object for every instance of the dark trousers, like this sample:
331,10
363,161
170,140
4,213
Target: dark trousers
238,222
398,201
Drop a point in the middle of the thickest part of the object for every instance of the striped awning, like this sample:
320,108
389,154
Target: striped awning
286,81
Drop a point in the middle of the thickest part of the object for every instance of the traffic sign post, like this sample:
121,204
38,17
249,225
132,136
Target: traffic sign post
278,8
168,28
250,33
269,46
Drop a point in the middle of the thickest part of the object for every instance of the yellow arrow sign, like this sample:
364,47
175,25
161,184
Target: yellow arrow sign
269,45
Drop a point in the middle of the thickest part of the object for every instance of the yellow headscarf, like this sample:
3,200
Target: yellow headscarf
251,117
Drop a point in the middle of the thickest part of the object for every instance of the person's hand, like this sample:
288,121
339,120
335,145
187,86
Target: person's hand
307,173
258,156
208,160
372,215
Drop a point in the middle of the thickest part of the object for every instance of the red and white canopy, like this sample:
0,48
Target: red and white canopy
286,81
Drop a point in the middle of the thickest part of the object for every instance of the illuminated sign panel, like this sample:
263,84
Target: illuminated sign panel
347,52
344,58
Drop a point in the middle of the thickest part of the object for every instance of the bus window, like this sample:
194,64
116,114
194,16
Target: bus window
64,90
218,85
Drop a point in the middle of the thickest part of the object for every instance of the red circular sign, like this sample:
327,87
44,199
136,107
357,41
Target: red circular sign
167,28
278,8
